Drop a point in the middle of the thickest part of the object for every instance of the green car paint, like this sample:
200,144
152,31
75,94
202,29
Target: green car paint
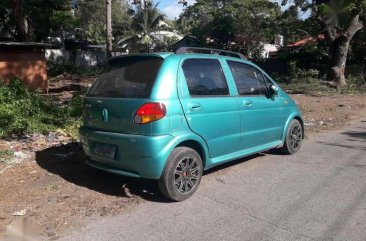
219,128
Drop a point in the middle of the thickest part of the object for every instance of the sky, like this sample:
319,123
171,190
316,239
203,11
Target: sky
171,7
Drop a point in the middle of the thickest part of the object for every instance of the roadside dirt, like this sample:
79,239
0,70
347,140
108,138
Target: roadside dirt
50,183
330,112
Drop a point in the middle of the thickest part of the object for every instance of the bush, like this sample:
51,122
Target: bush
297,75
54,69
355,84
23,111
310,85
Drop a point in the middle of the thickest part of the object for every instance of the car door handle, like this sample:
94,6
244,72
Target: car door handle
194,106
247,103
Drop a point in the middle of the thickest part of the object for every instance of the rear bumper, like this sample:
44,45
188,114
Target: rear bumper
136,155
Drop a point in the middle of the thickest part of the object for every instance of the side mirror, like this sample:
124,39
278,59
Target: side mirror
273,90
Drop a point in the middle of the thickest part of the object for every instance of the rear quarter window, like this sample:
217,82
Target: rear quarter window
127,77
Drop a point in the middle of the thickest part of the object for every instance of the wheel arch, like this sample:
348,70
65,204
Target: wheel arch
195,145
294,116
302,125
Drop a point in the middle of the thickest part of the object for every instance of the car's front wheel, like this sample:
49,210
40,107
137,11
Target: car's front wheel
182,174
294,137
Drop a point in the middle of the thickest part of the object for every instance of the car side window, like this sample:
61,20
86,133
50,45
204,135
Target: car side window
267,80
261,82
205,77
245,77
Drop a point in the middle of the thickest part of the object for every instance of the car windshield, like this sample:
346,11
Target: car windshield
127,77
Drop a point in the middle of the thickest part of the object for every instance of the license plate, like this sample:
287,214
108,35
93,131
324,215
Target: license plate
105,150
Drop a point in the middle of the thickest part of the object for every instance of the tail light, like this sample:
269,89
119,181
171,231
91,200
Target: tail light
150,112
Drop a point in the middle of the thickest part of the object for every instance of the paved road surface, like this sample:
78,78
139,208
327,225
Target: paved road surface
317,194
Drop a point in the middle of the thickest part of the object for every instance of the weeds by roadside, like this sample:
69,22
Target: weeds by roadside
54,69
316,86
6,153
307,81
23,112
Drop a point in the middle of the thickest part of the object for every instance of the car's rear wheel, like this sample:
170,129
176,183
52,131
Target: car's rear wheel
182,174
294,137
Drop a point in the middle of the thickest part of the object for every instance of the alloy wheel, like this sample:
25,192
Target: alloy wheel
186,174
296,136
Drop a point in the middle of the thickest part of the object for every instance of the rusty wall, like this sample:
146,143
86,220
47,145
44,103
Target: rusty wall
29,65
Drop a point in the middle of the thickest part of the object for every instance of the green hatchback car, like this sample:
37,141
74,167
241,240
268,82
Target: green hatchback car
171,116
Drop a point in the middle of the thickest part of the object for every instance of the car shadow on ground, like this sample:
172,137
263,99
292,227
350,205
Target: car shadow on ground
233,163
357,140
68,162
356,135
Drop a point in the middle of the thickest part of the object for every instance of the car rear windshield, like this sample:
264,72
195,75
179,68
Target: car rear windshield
127,77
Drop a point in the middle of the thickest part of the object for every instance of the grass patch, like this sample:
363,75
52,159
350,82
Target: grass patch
306,87
23,112
299,80
6,153
318,86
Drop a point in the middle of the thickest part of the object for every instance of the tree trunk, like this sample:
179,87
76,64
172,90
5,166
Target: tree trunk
23,33
339,44
109,27
338,52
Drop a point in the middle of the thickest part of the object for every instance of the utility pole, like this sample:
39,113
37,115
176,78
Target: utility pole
109,27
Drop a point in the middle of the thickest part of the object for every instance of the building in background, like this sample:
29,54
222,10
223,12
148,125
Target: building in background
24,60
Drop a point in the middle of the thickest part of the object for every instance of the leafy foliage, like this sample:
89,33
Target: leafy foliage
39,18
92,15
232,24
146,19
339,21
35,19
23,111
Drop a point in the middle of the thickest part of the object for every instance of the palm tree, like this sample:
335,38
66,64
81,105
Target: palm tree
145,20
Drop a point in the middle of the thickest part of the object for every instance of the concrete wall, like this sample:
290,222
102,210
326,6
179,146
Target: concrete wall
80,57
57,55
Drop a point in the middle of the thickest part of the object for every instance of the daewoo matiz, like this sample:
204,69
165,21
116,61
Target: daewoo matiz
170,116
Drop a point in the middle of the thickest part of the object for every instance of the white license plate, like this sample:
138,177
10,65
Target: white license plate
105,150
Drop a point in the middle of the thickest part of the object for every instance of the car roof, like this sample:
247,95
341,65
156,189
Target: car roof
165,55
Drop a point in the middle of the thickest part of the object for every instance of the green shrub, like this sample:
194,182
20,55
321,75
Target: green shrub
307,87
23,111
54,69
297,75
354,85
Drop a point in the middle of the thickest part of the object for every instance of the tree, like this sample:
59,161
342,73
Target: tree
21,20
256,22
92,15
241,25
109,37
34,20
145,20
340,20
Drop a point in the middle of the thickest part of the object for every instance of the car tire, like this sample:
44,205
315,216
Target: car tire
182,174
294,137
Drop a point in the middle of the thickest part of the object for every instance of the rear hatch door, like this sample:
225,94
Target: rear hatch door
116,95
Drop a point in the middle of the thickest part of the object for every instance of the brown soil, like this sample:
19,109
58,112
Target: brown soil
59,191
330,112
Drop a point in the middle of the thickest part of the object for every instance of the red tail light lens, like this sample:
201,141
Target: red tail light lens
150,112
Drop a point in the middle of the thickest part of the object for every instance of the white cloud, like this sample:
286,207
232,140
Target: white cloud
174,10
